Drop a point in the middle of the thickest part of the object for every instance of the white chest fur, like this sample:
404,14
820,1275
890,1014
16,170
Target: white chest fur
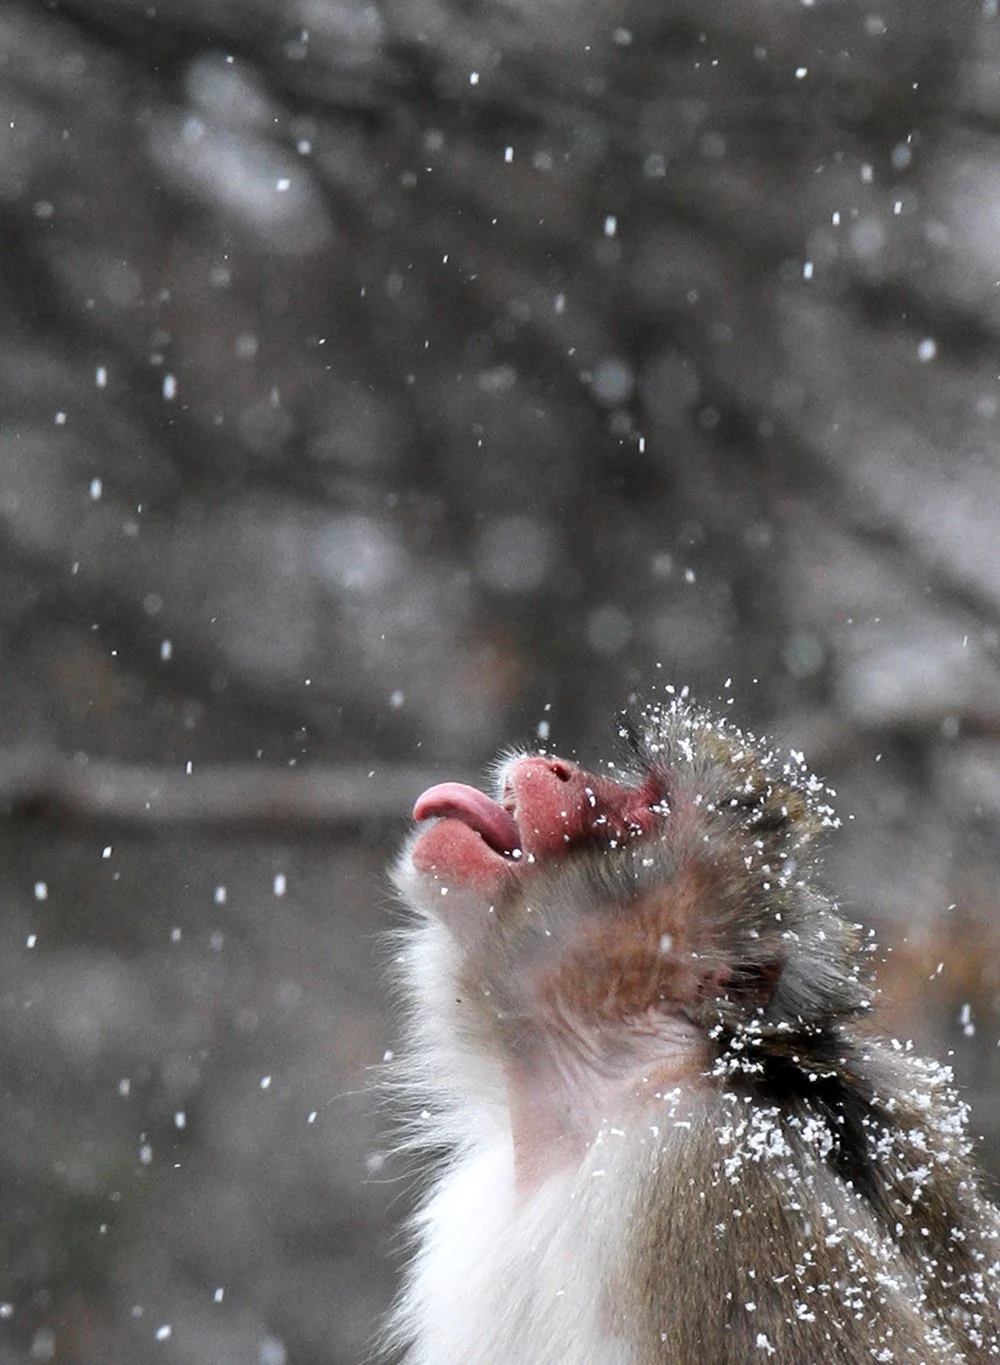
498,1282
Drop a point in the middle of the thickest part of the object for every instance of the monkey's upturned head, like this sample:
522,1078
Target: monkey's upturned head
674,891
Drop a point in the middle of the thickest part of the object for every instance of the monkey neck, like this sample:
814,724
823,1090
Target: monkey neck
565,1087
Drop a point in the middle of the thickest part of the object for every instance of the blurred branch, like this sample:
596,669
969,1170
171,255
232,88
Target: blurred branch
36,783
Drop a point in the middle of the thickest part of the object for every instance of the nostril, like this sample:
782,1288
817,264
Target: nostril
561,770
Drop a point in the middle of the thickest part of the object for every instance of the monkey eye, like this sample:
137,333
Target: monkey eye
652,795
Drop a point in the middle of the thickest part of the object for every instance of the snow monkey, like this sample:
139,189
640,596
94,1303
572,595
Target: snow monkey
664,1131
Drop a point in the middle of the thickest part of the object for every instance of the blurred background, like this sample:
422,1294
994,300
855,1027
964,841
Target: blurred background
386,381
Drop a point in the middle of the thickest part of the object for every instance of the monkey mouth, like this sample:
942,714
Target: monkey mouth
494,824
546,808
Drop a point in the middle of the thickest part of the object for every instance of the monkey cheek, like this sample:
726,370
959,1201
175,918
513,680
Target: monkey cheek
459,866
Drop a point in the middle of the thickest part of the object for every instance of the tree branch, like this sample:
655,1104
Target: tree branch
39,784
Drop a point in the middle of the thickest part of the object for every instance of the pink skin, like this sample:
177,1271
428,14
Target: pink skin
547,805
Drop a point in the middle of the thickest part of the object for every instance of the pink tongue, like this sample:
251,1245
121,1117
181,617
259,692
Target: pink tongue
459,802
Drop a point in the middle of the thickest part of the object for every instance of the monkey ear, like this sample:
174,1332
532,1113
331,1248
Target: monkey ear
760,982
750,986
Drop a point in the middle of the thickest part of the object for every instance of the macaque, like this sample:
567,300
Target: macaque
663,1132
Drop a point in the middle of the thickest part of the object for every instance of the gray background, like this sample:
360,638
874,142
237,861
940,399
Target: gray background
379,381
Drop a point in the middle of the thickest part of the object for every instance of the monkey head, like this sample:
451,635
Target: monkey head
605,934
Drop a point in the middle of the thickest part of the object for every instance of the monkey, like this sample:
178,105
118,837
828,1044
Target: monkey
641,1058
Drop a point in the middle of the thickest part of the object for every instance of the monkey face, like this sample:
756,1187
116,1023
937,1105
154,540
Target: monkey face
545,809
690,856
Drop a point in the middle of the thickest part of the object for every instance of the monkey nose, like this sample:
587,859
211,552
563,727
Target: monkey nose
552,801
558,805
